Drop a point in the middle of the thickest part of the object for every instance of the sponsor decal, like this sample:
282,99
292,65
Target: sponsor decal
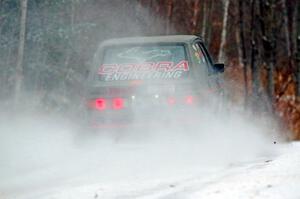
149,70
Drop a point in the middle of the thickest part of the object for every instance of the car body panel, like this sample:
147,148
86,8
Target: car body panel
144,98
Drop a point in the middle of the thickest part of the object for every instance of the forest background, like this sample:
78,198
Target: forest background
46,47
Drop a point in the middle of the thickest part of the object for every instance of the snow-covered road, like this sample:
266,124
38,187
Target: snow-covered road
278,177
41,158
264,178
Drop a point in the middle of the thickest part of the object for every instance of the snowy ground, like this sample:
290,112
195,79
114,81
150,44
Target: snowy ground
46,161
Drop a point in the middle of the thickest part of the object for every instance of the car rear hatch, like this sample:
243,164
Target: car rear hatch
144,102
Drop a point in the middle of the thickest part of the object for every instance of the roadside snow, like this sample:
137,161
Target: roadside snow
279,178
263,178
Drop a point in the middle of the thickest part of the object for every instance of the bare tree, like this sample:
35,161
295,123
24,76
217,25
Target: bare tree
267,23
286,28
208,23
204,19
68,53
196,9
169,16
254,68
242,48
298,52
221,56
20,56
293,38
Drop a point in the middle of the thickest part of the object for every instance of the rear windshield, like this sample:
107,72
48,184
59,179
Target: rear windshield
149,62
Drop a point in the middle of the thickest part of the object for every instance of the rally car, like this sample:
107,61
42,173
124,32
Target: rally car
141,80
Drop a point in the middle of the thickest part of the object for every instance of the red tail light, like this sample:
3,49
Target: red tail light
103,104
171,100
118,103
189,100
99,104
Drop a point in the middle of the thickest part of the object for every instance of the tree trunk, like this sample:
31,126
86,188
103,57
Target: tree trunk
195,16
209,25
68,56
267,23
169,16
294,31
298,51
20,55
254,68
221,56
242,48
286,28
273,35
204,18
2,75
288,39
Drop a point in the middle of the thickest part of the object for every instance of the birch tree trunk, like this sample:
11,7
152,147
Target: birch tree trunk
221,56
20,56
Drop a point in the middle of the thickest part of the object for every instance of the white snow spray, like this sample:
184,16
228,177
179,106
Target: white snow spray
41,153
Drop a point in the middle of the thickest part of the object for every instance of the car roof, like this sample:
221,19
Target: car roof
150,39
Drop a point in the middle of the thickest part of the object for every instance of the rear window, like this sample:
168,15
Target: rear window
149,62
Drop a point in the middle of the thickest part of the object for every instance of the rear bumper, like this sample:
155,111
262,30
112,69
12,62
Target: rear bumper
144,121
